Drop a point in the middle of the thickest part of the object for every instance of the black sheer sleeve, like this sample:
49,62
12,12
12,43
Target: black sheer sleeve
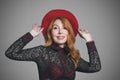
94,64
16,51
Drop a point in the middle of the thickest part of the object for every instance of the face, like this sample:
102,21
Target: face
59,32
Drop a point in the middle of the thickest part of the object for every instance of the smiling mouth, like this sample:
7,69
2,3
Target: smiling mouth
60,37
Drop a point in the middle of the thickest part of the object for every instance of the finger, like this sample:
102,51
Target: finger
79,30
87,31
35,24
84,30
41,29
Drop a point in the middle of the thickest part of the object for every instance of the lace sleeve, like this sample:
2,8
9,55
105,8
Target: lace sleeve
16,51
94,64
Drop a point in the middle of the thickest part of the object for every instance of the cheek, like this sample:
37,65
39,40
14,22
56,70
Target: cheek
66,32
54,33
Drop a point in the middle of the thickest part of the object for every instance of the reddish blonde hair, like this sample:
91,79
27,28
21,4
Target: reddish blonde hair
74,54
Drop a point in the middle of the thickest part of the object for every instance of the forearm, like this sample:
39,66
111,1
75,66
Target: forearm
18,45
94,59
94,64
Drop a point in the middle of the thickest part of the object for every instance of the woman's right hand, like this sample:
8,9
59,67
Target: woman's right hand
36,30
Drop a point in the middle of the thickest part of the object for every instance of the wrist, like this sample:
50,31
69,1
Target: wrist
32,32
89,40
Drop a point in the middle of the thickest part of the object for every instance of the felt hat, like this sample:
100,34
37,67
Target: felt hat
52,14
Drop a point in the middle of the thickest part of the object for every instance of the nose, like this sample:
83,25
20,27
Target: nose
60,31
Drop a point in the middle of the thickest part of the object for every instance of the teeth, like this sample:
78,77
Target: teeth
60,37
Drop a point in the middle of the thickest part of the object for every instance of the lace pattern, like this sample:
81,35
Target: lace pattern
53,63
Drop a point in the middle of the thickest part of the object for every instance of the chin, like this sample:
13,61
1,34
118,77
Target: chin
61,43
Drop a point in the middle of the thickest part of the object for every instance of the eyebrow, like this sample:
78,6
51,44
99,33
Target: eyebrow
55,25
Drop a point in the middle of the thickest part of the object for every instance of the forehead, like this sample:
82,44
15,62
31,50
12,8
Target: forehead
57,22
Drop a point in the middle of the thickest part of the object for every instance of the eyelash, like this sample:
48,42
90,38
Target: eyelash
65,28
57,28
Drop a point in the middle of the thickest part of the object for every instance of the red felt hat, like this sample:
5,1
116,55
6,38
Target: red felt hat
59,13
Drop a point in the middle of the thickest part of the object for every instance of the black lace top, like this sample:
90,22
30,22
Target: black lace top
53,62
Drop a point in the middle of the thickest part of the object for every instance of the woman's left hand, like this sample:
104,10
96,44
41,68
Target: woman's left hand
85,35
36,30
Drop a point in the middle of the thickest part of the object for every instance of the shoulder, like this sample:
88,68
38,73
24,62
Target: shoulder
45,49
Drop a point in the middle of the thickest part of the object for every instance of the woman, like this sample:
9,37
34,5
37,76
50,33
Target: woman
58,59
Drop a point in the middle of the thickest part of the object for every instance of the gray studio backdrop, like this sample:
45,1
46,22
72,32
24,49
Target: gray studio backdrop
100,17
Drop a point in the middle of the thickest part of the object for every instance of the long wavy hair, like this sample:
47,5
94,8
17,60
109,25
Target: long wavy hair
74,53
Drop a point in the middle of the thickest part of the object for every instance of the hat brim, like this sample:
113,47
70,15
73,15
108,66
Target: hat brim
59,13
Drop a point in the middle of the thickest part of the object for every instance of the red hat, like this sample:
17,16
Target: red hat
59,13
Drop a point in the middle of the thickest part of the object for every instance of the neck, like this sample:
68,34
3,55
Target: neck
61,45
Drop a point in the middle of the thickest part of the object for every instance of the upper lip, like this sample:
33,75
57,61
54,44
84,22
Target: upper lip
60,36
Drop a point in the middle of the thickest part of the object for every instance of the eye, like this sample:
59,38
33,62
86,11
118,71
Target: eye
64,28
55,27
